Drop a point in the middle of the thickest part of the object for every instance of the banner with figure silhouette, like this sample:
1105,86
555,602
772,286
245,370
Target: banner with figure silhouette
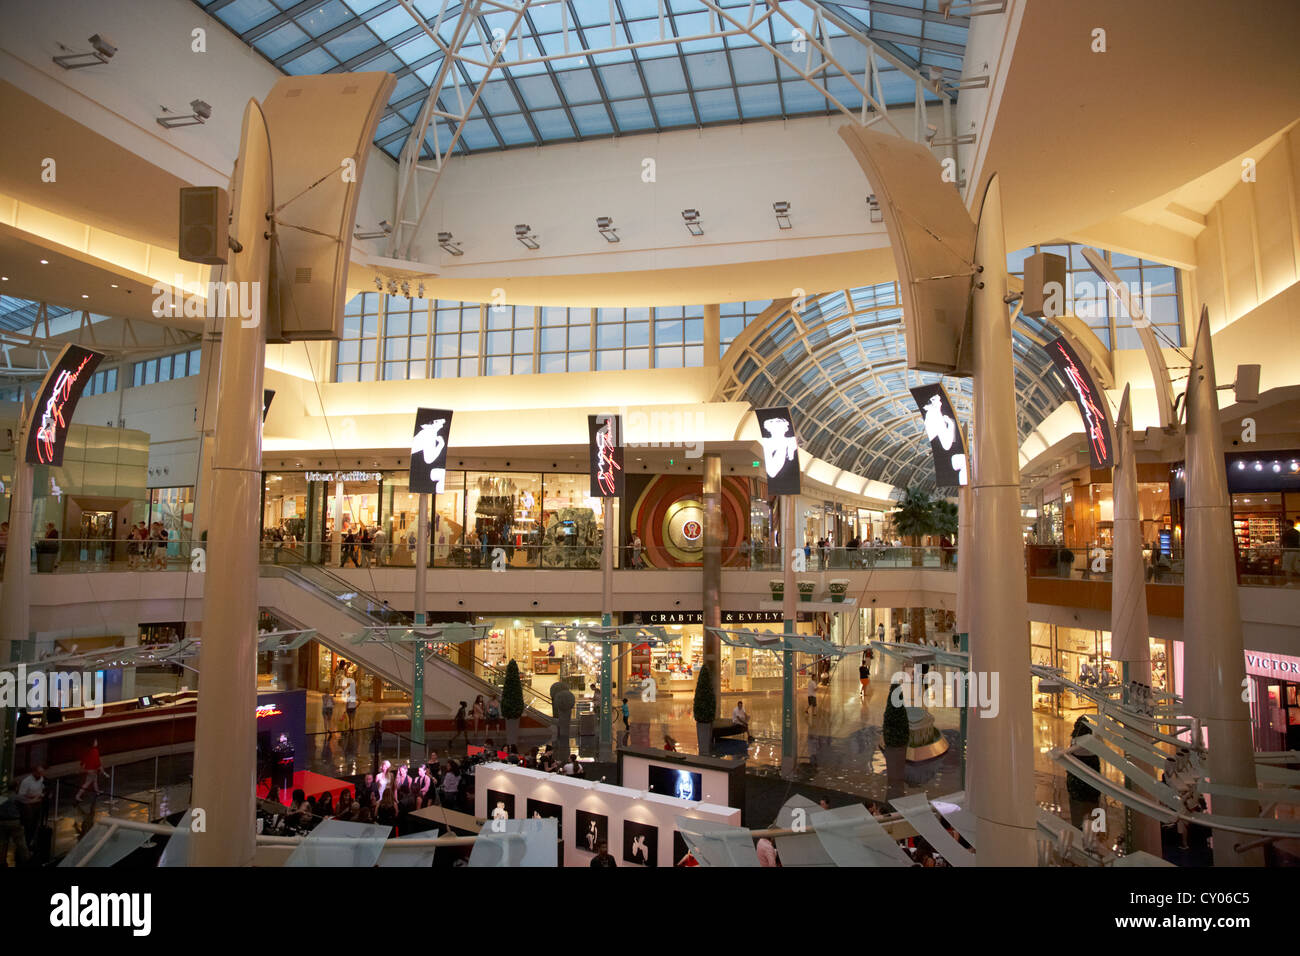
780,450
429,450
947,442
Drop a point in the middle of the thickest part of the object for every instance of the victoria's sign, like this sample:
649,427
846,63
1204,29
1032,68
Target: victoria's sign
946,441
429,450
780,450
605,447
47,426
1090,400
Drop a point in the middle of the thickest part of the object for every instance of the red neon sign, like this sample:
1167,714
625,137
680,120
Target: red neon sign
1087,399
605,476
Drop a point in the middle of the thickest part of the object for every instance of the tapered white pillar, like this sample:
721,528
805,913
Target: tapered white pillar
965,559
1215,661
15,594
225,742
1129,627
1001,751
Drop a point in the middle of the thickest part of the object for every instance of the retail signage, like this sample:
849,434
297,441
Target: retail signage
47,426
1090,399
697,617
780,450
947,443
333,477
1273,665
429,450
605,446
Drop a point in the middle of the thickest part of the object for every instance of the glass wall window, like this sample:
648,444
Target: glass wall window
392,337
164,368
734,318
565,340
359,344
511,339
456,339
406,338
102,382
1087,295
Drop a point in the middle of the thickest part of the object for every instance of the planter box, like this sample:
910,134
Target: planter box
806,590
839,587
777,588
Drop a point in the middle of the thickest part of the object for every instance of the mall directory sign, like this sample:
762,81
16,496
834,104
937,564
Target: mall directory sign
47,426
947,443
780,450
605,447
1091,401
429,450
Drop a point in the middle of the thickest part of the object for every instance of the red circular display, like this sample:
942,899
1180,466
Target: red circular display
691,530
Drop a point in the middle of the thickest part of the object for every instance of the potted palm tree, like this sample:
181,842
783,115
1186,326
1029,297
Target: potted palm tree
913,518
896,732
512,702
704,710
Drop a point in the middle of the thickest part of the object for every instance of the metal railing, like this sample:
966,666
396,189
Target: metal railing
81,555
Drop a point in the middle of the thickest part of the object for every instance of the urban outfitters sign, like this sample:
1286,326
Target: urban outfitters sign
334,477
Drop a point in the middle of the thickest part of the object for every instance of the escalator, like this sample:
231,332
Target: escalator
311,596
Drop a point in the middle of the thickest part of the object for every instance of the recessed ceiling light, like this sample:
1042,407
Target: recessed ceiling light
45,262
112,285
4,278
84,296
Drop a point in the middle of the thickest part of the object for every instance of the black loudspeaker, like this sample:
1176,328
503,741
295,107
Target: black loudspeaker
205,224
1044,286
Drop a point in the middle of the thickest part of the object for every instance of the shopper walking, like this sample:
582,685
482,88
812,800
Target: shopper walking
350,699
812,691
460,725
381,546
479,712
31,801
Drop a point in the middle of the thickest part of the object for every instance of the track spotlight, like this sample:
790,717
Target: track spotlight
103,52
605,226
524,233
448,245
202,112
876,214
693,224
782,210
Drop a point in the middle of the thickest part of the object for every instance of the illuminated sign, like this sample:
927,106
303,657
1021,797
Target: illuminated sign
780,450
605,448
692,530
947,444
429,450
268,710
1272,665
1090,400
337,476
47,427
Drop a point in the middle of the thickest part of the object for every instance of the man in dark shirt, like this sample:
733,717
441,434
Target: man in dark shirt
602,858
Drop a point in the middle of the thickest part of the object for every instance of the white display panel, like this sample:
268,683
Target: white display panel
595,800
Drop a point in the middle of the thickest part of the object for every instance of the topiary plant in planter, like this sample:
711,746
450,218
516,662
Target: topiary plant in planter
806,590
896,731
778,588
839,587
512,702
704,709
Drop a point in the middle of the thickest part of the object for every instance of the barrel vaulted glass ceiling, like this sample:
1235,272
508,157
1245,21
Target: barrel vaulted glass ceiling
840,364
666,64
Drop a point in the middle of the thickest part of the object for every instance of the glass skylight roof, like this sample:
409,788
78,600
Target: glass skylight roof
717,75
841,366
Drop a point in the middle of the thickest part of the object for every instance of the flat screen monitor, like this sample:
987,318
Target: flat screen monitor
146,701
671,782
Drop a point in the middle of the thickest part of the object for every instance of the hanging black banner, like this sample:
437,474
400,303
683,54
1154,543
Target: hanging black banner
429,450
47,426
780,450
605,448
1091,401
947,443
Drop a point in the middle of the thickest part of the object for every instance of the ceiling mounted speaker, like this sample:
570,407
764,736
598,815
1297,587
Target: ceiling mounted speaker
321,130
1246,388
933,239
1044,286
205,224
